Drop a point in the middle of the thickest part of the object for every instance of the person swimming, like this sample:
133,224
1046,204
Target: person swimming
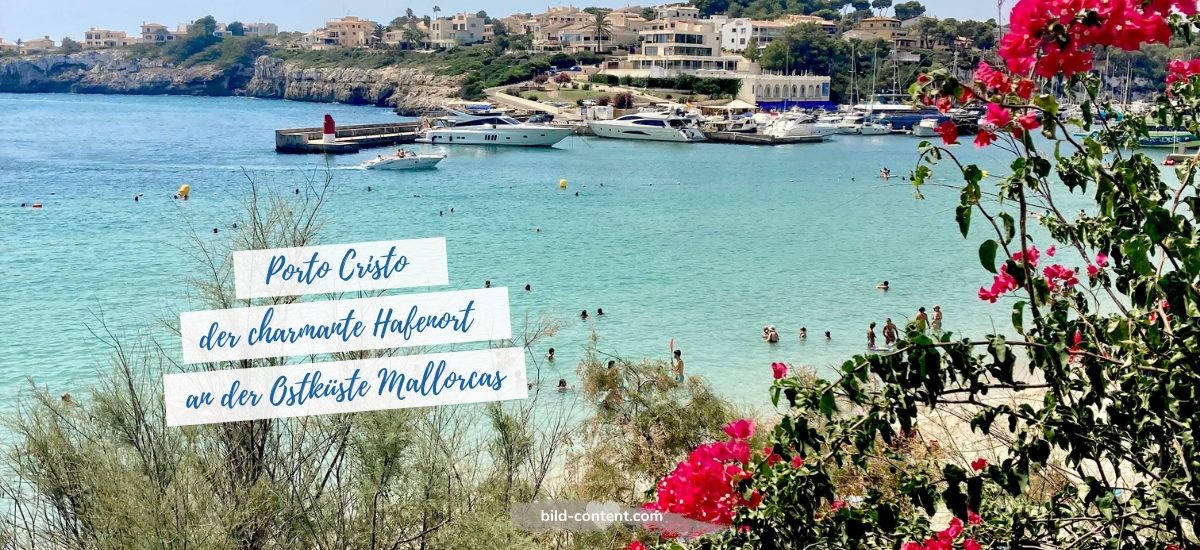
827,336
772,336
527,287
803,333
562,384
583,315
487,284
883,286
599,311
550,354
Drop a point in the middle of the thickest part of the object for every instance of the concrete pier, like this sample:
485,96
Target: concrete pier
348,139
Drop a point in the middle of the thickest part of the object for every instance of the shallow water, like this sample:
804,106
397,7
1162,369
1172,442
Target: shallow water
703,243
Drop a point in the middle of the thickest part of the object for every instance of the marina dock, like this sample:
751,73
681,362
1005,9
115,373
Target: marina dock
758,139
348,139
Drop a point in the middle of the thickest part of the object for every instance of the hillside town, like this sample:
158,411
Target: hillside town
633,41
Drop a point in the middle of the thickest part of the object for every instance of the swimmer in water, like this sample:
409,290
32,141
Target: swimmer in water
883,286
550,355
827,336
527,288
772,336
583,315
803,333
487,284
562,384
871,336
599,311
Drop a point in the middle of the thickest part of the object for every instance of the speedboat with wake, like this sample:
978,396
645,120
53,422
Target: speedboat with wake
403,160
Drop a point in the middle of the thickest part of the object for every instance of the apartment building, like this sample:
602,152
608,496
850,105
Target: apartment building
682,45
94,38
457,30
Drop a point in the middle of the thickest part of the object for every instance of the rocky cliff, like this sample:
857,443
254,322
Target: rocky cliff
117,72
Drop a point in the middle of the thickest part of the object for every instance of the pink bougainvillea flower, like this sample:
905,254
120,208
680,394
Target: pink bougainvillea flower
944,104
1076,340
934,543
971,544
1029,121
922,78
837,504
1102,259
953,531
1029,255
1025,88
772,458
637,545
797,461
998,116
702,487
1050,251
755,500
740,429
1060,276
984,138
1092,270
992,79
973,518
779,370
949,132
911,546
979,464
987,295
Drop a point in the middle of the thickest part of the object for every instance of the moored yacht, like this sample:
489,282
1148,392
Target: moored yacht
926,128
651,126
462,128
792,125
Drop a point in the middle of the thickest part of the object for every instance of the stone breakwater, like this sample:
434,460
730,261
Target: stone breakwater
411,90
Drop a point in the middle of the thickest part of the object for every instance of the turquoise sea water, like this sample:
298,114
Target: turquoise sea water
703,243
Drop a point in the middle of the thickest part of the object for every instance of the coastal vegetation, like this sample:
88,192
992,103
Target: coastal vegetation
103,470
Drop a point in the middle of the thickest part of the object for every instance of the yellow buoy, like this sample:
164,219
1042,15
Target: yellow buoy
562,184
184,190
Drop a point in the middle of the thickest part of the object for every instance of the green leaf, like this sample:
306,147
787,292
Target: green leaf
963,215
987,255
1136,250
828,406
1010,227
1018,317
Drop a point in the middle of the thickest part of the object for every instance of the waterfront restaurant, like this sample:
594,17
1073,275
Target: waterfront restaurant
781,92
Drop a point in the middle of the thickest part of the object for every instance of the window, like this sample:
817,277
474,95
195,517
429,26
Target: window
794,91
656,123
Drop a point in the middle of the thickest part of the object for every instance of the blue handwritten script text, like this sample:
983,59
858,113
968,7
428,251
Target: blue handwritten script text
350,268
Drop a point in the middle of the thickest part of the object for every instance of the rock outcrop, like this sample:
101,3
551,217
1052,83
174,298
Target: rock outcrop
411,90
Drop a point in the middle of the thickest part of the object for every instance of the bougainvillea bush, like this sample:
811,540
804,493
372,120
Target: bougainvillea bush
1104,306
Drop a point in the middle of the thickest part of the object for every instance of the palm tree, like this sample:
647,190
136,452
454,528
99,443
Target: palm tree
602,26
437,10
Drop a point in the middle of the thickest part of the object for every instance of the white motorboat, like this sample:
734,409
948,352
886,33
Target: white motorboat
799,126
851,123
926,128
462,128
875,128
737,125
403,160
651,126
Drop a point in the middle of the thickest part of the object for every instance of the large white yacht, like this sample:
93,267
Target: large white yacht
797,125
460,128
653,126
